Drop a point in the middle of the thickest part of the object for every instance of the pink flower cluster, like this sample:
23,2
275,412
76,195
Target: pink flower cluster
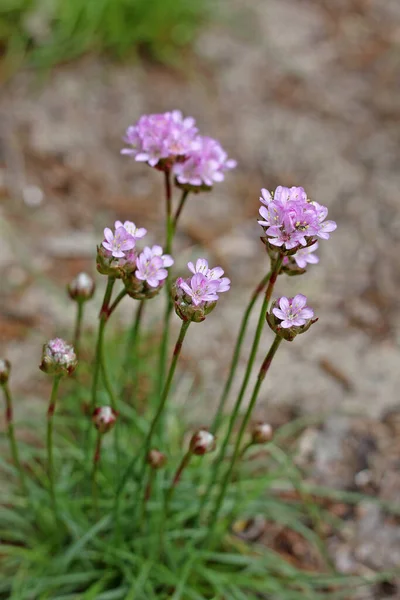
291,220
168,140
150,264
205,284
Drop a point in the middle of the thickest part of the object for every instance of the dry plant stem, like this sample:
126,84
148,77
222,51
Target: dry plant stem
164,397
261,376
96,460
78,326
50,423
235,413
11,436
236,352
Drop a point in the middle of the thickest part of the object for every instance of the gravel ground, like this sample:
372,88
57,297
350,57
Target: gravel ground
301,92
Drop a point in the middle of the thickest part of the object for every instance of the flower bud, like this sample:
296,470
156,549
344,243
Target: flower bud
106,264
156,459
290,316
202,442
81,288
58,358
5,368
261,433
104,418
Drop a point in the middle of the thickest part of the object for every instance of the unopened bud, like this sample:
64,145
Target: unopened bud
58,358
81,288
104,418
156,459
202,442
262,433
5,368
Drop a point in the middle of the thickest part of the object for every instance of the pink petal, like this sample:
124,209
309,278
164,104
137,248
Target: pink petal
278,313
108,234
284,304
299,301
306,313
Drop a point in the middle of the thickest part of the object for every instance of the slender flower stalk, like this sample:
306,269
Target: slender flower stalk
50,424
185,194
10,423
163,400
103,316
80,289
202,442
78,326
96,460
261,376
235,412
129,365
236,352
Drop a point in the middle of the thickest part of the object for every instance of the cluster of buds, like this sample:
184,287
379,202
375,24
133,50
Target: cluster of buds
291,221
202,442
5,368
289,317
196,297
261,433
82,288
104,418
170,142
156,459
58,358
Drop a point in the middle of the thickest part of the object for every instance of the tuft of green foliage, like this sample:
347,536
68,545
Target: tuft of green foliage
91,554
52,31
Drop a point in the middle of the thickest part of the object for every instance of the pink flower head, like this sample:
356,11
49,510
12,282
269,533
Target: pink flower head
160,136
291,220
204,164
293,312
214,274
151,266
135,232
199,288
119,242
306,255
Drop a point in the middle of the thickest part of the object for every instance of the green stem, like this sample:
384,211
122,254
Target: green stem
78,326
185,194
113,403
236,352
164,397
96,460
177,477
117,300
129,367
236,409
261,376
168,204
11,436
50,423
